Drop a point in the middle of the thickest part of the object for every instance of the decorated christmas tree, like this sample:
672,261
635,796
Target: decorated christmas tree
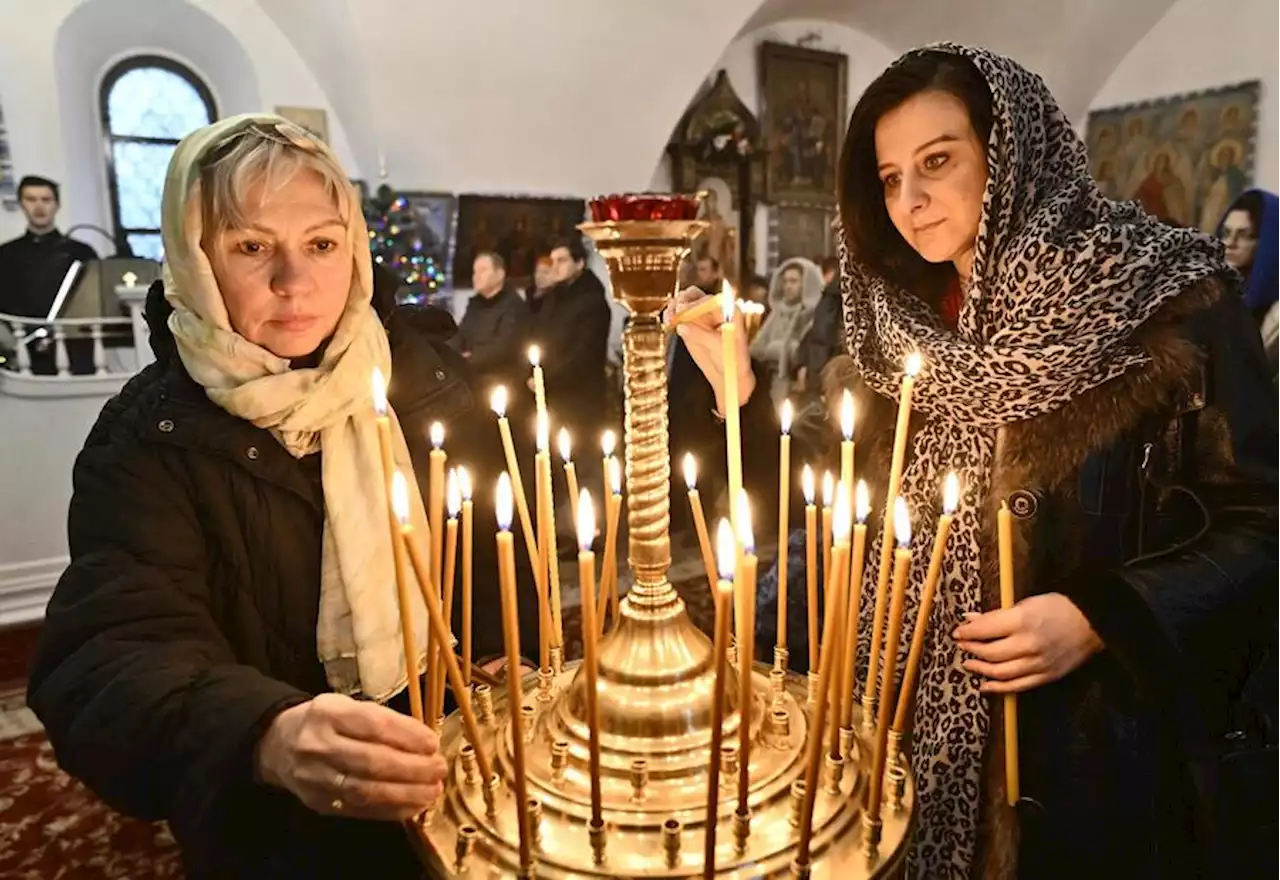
403,242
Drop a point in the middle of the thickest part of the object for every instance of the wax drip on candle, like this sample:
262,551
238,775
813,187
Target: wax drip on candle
586,521
608,442
542,432
786,416
400,497
828,489
690,465
464,483
452,494
615,476
806,484
901,523
379,392
498,401
437,435
862,502
566,449
950,494
503,502
726,550
846,415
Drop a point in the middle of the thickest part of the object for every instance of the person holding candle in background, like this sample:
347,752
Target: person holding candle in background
224,650
1096,371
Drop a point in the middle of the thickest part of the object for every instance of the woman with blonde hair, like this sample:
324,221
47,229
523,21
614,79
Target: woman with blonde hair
224,650
1095,370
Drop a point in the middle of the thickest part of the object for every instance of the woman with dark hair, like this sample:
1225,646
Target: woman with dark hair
1249,232
1093,369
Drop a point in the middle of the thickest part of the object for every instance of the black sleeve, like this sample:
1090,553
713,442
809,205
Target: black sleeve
502,348
138,689
580,337
1205,607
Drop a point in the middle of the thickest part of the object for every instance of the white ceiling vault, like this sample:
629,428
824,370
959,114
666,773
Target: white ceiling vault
428,84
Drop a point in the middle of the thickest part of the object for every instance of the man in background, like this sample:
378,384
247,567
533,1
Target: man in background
492,333
33,265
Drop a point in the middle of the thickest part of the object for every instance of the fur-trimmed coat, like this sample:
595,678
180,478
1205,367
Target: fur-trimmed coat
1150,501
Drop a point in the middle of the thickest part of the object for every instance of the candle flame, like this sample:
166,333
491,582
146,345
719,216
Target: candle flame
828,489
503,502
950,493
129,279
535,355
452,494
437,435
786,416
806,482
566,448
542,431
379,392
746,537
846,414
608,441
464,483
862,501
400,497
498,401
726,550
690,471
586,521
901,522
615,476
727,300
840,520
913,363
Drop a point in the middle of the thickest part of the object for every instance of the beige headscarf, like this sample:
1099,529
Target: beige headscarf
327,408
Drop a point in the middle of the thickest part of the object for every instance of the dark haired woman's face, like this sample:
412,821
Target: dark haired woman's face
1240,239
933,170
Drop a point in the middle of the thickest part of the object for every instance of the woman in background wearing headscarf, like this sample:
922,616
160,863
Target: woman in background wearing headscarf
1095,370
793,295
1250,230
224,651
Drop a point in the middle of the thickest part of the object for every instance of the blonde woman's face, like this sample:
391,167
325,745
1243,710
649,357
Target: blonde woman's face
286,275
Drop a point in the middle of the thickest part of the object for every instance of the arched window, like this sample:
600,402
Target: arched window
148,104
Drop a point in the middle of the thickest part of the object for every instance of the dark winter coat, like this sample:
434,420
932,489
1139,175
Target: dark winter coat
492,337
187,618
1150,502
571,324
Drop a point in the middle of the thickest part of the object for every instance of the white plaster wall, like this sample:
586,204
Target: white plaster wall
1200,44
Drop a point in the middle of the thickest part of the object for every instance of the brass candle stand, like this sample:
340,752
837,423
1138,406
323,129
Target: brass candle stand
656,681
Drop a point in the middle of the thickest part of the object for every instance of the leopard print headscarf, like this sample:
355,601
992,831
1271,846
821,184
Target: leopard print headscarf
1061,279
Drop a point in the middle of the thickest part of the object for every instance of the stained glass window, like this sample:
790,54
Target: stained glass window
148,105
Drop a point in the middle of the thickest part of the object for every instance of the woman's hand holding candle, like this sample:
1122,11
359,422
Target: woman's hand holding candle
702,339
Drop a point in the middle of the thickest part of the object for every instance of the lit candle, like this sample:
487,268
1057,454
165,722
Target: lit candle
453,506
511,635
912,365
609,567
846,445
901,572
811,562
699,520
828,500
732,422
1012,786
587,579
570,470
435,511
950,500
862,509
784,526
826,671
746,585
539,385
498,402
468,511
547,525
403,595
726,556
608,442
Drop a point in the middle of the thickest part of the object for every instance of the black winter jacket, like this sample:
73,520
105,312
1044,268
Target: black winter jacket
491,337
187,618
571,323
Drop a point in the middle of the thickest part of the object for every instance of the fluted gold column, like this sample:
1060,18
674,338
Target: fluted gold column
648,459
